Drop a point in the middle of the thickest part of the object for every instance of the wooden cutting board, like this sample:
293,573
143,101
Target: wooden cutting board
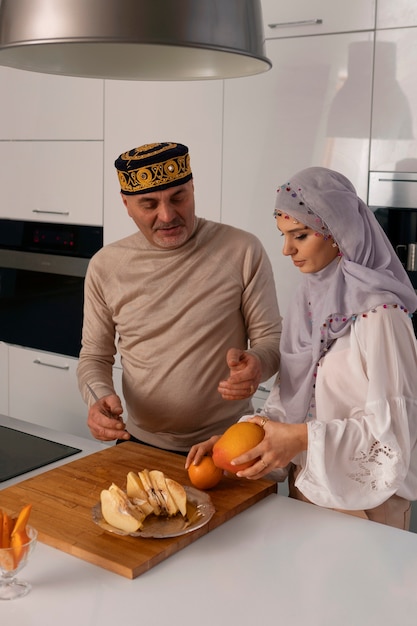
62,499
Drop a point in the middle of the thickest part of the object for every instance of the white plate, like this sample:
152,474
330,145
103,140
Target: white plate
200,510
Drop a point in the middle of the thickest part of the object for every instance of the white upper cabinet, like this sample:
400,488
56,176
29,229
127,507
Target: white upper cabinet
41,106
146,112
284,18
394,113
312,108
52,181
396,13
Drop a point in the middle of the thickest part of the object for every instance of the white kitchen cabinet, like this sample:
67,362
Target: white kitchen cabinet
396,14
45,107
305,111
146,112
394,112
43,390
4,378
259,398
282,18
52,181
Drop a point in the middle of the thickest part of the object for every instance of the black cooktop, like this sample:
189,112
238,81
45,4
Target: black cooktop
21,452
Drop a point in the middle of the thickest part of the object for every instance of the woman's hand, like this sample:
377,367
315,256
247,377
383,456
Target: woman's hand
279,446
199,450
245,375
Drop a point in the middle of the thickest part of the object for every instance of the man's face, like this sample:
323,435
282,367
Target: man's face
166,218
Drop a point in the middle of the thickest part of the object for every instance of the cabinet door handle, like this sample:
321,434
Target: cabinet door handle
397,180
262,388
298,23
50,212
58,367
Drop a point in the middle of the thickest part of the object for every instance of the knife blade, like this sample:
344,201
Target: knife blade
105,412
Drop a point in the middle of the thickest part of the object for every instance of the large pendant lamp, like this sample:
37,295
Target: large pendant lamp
134,39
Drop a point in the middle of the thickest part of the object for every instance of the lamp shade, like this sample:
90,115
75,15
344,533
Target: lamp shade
134,39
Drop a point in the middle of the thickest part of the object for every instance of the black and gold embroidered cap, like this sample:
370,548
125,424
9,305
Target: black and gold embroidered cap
153,167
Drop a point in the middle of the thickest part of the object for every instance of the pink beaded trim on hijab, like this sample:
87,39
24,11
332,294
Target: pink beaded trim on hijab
312,406
320,226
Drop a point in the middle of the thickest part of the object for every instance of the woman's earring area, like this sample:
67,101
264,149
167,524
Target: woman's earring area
335,245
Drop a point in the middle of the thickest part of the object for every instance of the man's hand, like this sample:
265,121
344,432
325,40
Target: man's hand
245,375
101,425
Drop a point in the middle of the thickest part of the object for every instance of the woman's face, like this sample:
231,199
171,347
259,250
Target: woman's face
309,251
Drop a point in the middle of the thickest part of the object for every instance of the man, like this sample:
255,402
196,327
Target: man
190,301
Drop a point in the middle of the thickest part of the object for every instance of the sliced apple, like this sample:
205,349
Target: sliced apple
159,482
136,492
178,494
131,507
147,492
150,491
143,505
118,511
134,487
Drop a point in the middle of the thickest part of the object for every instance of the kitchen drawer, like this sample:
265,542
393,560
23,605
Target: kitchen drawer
52,181
43,390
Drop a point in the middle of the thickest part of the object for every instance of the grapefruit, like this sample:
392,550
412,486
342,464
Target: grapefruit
238,439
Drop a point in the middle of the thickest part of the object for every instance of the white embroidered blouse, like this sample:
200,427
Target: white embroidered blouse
362,436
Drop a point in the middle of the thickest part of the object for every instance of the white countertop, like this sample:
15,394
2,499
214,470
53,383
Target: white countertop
280,562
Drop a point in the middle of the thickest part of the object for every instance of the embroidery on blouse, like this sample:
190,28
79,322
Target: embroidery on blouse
334,321
376,467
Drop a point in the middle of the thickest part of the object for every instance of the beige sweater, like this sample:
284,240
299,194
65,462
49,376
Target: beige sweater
176,313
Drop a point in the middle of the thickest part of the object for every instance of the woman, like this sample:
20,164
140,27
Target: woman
343,411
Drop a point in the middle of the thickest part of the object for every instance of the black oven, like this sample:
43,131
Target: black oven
42,270
393,198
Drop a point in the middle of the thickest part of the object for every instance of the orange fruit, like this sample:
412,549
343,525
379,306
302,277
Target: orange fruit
19,543
237,439
206,474
22,520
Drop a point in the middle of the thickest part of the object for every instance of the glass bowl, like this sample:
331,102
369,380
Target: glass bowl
12,560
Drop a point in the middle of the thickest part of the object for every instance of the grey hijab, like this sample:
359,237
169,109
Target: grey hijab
367,274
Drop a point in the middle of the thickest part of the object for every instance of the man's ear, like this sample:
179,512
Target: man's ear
124,200
123,197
